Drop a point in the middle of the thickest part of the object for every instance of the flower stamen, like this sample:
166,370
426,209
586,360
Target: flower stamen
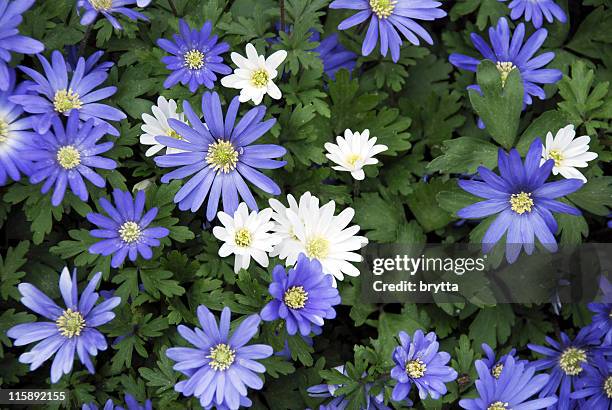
497,370
352,159
608,387
222,156
222,357
416,368
504,68
557,156
243,238
130,232
382,8
260,78
295,297
521,202
498,405
70,323
3,131
101,5
571,361
66,100
194,59
317,248
68,157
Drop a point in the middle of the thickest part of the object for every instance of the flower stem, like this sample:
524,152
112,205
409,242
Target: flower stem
173,7
85,38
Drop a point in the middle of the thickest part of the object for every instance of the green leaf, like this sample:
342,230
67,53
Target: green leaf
492,325
380,216
465,155
489,11
9,270
157,281
8,319
500,105
549,121
595,196
422,202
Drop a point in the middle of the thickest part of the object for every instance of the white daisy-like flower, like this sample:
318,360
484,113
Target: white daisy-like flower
315,231
353,152
157,125
567,152
254,75
246,235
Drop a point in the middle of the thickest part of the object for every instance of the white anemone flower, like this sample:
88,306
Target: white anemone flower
319,234
353,152
254,75
568,152
156,125
246,235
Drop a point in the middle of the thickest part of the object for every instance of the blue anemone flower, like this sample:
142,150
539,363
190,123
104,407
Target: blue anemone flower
14,132
220,366
510,53
333,54
130,404
418,361
533,10
62,157
196,57
127,231
496,367
91,9
602,318
595,386
566,361
303,297
512,390
522,200
69,330
341,402
220,154
10,39
56,96
389,19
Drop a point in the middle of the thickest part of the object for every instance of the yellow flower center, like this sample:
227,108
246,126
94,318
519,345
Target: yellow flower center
194,59
317,248
416,368
222,357
521,203
352,159
68,157
557,156
173,134
504,68
382,8
608,387
571,361
101,4
66,100
295,297
498,405
222,156
3,131
496,370
260,78
243,238
70,323
130,232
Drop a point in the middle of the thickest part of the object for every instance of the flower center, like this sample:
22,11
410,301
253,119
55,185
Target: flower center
243,238
194,59
497,369
66,100
416,368
130,232
521,203
504,68
70,323
260,78
101,4
317,248
222,156
352,159
608,387
295,297
498,405
68,157
173,134
571,359
557,156
222,357
3,131
382,8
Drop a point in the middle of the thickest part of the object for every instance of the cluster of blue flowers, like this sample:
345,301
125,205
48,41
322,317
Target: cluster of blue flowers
53,128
